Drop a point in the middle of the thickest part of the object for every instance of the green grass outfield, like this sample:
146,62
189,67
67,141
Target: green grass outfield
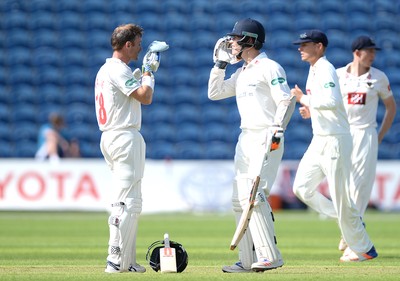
72,246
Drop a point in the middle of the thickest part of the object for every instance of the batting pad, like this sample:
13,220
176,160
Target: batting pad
262,229
127,230
246,252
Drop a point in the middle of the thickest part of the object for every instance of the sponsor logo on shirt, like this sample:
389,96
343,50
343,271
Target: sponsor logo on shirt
130,82
279,80
356,98
329,85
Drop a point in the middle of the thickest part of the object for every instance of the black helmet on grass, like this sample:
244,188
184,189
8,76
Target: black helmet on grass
153,255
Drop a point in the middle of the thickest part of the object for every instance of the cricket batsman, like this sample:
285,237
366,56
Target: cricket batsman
119,94
265,106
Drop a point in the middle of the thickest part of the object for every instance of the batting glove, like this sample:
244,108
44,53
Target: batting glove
276,133
151,62
223,53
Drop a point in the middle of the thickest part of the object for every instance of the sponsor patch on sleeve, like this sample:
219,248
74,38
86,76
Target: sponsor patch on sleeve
329,85
130,82
279,80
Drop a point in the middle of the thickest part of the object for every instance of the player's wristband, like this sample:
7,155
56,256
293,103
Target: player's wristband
148,81
221,64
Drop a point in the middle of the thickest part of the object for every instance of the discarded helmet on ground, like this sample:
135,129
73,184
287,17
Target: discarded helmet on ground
153,255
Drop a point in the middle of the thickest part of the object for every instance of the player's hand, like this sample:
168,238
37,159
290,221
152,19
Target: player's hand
276,133
223,53
296,91
305,112
152,58
151,62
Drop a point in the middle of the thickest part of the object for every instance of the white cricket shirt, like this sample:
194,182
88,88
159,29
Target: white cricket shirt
328,115
259,87
361,95
114,108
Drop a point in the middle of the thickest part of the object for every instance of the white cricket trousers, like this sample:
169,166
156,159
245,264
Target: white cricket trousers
329,156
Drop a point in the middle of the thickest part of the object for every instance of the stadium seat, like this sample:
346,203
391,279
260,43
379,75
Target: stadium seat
218,150
304,23
23,89
339,39
159,149
160,132
70,20
274,6
188,150
200,22
95,6
189,132
280,24
327,6
24,112
359,23
74,6
4,115
48,39
15,20
6,149
214,113
18,55
84,133
305,8
45,57
187,113
158,113
333,20
339,57
358,7
51,94
18,38
176,6
217,132
25,131
50,75
80,113
79,93
5,93
74,57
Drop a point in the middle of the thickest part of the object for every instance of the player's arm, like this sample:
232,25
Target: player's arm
218,88
390,105
144,94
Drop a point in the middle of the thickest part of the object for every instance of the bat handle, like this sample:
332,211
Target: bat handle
166,240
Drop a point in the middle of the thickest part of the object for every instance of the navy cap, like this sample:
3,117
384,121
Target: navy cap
363,42
314,35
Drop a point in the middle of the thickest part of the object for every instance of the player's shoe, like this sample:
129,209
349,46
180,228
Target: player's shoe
115,268
342,245
350,256
265,264
236,268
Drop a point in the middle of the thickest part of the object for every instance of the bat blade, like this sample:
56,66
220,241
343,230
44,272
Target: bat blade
246,215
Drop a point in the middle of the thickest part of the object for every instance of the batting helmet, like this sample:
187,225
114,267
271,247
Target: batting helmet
249,28
153,255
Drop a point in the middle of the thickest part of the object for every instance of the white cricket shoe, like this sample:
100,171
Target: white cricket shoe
350,256
342,245
115,268
236,268
265,264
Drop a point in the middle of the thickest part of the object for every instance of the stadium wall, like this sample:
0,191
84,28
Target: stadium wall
168,186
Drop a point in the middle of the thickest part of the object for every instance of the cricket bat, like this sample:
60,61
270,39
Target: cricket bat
246,215
167,257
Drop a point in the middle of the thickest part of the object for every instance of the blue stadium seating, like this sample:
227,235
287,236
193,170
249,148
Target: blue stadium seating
54,50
